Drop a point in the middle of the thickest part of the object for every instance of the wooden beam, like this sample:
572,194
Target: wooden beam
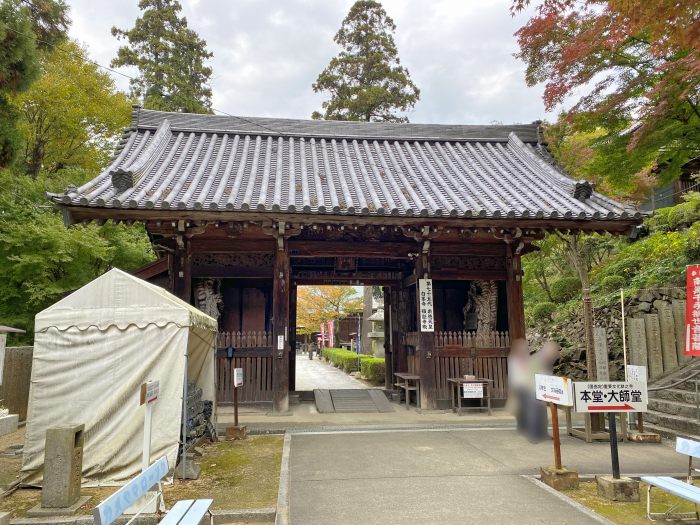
514,289
280,332
401,325
388,250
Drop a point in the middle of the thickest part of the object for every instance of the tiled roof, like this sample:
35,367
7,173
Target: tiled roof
207,162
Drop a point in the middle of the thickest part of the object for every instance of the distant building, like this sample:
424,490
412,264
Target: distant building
672,193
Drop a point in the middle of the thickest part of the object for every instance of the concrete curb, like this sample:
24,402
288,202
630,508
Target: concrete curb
245,516
260,431
588,512
282,516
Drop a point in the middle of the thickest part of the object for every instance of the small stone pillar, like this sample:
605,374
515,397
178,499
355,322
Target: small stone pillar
63,472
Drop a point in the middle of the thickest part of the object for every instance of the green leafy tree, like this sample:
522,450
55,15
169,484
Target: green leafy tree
366,80
41,260
633,69
170,58
70,116
26,26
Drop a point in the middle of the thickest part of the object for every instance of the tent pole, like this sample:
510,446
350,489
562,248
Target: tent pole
184,422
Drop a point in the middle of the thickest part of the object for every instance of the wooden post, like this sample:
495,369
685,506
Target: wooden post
181,270
426,344
388,334
280,331
555,435
514,289
292,337
400,325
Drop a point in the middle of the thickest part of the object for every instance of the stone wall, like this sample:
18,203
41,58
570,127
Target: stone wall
655,330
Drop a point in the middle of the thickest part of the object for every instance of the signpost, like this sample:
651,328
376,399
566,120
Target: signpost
425,290
692,312
554,391
237,381
149,396
611,397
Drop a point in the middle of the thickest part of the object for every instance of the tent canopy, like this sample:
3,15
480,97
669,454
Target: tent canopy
93,350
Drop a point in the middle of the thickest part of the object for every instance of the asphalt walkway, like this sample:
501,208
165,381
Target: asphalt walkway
447,476
311,374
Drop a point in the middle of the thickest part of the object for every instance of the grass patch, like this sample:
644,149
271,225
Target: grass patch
627,513
235,474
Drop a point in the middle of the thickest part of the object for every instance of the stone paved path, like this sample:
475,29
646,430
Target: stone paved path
311,374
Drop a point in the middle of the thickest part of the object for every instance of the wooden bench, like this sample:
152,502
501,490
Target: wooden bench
410,382
683,489
136,492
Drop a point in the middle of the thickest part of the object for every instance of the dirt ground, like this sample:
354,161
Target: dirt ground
236,475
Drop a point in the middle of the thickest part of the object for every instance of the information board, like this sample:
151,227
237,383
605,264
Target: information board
473,390
636,373
237,377
425,292
610,396
554,389
692,311
149,392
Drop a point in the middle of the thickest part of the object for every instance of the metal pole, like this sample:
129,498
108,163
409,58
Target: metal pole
612,426
184,421
147,437
555,435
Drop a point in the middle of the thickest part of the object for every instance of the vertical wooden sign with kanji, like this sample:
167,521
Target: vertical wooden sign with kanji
692,311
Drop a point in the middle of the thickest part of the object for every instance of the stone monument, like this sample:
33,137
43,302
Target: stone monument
63,472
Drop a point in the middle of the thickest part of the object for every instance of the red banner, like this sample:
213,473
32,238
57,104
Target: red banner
331,334
692,311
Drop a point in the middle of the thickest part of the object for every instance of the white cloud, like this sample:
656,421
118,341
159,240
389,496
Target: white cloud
267,53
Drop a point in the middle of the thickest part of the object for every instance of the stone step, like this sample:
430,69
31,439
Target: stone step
668,433
677,408
680,424
674,394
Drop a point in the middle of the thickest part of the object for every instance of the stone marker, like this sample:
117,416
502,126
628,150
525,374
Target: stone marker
656,362
8,423
600,344
4,518
622,489
63,472
678,309
668,336
637,341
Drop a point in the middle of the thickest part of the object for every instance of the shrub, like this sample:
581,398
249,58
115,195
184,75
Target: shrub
373,370
565,288
345,359
544,310
612,283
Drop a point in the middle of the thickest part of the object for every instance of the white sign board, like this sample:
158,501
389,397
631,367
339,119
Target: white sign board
149,392
473,390
425,292
554,389
636,373
280,342
237,377
3,341
611,396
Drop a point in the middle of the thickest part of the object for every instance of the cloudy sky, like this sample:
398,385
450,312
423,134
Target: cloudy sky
267,53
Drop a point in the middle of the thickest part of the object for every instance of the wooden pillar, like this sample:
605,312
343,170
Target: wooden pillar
280,331
388,335
292,337
400,324
181,270
514,288
426,344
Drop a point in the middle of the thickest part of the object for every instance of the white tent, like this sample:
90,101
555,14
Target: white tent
93,350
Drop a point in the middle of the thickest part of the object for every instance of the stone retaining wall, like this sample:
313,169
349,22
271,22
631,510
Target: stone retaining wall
655,326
